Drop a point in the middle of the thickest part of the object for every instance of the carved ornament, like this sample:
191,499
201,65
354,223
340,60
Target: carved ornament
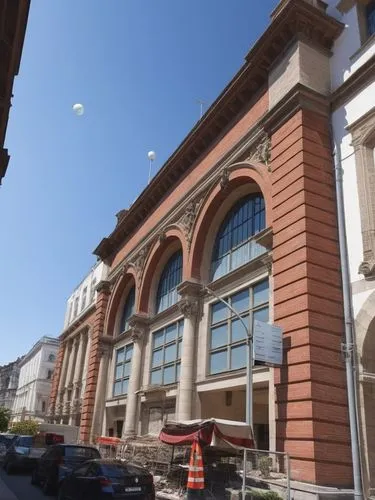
189,217
189,306
260,151
367,269
139,262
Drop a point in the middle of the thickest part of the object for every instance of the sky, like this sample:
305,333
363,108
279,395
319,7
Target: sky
138,67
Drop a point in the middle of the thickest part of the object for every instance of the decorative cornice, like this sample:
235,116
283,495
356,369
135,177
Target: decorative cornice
354,84
296,19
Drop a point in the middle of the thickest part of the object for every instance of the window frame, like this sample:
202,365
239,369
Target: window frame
229,235
176,363
246,314
117,364
170,278
124,320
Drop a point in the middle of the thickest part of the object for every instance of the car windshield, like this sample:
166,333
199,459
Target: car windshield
80,451
120,470
25,441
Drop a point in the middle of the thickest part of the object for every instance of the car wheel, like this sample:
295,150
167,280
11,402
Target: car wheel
34,478
9,469
47,488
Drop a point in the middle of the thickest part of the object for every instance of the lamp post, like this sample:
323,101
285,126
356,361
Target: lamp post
249,376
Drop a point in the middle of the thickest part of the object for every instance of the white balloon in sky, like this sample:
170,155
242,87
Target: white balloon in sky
78,109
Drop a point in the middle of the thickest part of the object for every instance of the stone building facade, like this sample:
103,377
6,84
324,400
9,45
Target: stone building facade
35,380
71,373
353,120
9,375
247,205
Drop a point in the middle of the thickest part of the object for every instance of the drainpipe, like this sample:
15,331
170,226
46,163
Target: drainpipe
348,344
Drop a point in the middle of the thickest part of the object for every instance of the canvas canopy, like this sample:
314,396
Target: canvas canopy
211,432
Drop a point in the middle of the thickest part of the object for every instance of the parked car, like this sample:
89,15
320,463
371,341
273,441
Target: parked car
57,462
23,453
108,478
6,440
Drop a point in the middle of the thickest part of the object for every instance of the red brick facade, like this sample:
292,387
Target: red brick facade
214,167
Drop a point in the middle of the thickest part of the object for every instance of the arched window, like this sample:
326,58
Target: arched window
128,310
234,245
171,277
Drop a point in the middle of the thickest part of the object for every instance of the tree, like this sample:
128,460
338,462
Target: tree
26,427
4,418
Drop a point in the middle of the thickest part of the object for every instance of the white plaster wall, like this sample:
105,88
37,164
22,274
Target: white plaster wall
98,272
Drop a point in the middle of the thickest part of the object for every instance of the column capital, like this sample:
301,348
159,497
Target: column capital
190,288
104,287
189,306
138,324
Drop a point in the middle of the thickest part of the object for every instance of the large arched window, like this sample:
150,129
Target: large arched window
128,310
171,277
234,245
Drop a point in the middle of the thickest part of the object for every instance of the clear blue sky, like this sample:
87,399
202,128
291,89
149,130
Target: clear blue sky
138,66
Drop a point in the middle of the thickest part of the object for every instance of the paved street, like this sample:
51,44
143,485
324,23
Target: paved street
19,485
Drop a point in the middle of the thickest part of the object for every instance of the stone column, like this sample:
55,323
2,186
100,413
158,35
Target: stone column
189,306
64,368
138,324
100,393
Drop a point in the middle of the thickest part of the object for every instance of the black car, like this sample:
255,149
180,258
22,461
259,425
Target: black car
57,462
23,453
105,478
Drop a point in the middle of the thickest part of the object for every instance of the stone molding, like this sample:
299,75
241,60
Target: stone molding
363,141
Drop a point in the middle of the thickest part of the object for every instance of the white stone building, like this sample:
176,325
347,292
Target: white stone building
353,121
35,380
67,393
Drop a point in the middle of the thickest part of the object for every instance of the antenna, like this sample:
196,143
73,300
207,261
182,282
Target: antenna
151,155
201,103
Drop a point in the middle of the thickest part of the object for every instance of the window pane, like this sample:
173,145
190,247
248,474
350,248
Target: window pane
120,356
180,328
238,330
158,338
169,280
169,375
179,349
240,301
219,312
127,370
238,357
157,358
125,384
170,333
170,353
219,336
178,367
156,377
119,370
117,388
218,362
261,315
261,293
129,352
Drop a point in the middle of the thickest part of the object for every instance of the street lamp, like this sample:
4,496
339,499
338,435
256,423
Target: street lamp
249,376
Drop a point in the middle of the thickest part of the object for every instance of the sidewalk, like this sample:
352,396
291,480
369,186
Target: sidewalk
5,493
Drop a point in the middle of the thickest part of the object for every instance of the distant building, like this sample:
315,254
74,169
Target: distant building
70,379
9,375
13,20
35,380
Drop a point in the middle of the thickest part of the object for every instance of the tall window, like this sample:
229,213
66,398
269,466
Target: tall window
166,354
128,310
84,296
171,277
122,370
228,336
370,18
234,245
92,290
76,306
